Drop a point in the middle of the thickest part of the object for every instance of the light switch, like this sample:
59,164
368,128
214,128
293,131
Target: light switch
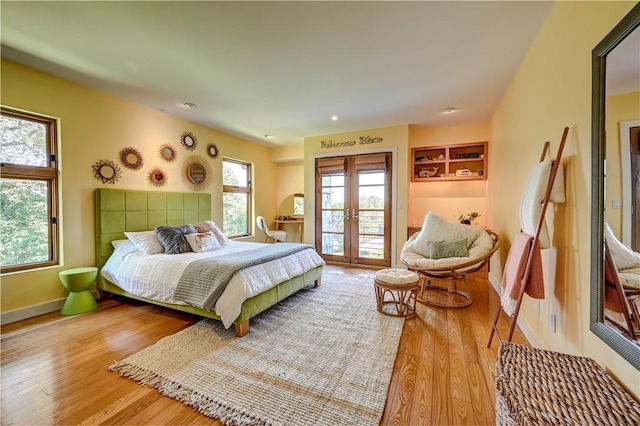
616,203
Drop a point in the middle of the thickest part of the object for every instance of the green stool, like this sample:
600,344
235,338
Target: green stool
77,281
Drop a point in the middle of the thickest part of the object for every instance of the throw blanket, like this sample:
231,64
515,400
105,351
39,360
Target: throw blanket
515,269
533,195
203,281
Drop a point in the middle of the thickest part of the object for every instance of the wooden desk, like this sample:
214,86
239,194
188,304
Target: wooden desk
300,222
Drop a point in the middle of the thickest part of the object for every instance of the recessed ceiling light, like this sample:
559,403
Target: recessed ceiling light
448,110
189,105
335,118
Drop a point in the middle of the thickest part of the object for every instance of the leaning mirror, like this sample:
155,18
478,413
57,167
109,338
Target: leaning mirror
616,64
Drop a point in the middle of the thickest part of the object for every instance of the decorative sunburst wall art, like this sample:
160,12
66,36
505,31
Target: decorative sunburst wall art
168,153
107,171
131,158
212,150
196,173
189,140
157,178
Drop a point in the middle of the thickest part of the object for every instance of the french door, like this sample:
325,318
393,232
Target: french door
353,209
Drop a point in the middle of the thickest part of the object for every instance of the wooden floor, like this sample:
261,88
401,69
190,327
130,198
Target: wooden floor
54,369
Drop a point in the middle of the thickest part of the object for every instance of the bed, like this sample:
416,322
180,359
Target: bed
119,211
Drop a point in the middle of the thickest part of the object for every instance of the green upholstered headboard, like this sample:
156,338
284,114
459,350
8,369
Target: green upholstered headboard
119,210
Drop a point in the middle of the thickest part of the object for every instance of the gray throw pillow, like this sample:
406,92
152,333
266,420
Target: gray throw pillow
444,249
172,238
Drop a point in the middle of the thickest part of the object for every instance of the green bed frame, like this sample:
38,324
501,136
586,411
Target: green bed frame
120,210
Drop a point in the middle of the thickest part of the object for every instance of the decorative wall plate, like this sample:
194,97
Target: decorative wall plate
196,173
131,158
156,178
212,150
168,152
189,140
107,171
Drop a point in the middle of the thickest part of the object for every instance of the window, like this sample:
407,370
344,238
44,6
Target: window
236,198
28,191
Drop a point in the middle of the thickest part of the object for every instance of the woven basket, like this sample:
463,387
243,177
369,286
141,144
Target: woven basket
540,387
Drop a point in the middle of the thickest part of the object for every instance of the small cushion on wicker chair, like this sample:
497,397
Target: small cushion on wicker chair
453,248
396,276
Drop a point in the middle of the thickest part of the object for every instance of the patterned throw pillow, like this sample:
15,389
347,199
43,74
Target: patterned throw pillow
172,238
203,241
209,226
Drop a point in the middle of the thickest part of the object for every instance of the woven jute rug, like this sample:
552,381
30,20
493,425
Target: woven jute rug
323,356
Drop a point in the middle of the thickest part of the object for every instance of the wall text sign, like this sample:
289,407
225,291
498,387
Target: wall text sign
364,140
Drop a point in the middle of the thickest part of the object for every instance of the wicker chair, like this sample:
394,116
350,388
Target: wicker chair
433,253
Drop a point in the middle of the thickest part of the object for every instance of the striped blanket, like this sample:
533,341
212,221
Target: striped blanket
203,281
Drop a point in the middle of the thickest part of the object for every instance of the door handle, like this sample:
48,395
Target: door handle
346,214
353,214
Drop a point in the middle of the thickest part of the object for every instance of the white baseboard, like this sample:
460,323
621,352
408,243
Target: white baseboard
35,310
533,341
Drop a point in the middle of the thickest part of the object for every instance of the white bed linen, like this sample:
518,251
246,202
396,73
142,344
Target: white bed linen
156,276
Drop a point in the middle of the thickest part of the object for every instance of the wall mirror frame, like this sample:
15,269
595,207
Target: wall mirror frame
196,173
622,345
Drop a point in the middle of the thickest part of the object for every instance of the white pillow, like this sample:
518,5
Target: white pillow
203,241
437,228
118,243
146,241
623,256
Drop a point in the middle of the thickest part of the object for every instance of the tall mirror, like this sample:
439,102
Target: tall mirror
616,80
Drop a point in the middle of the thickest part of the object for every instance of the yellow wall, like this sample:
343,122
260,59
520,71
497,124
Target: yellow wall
395,138
96,126
290,181
551,90
623,107
447,198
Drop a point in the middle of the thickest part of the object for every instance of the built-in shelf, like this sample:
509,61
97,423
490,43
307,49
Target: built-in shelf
467,161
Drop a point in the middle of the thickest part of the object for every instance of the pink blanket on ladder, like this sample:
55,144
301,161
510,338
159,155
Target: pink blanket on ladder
515,269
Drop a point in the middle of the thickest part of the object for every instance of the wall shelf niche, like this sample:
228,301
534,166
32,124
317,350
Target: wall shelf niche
466,161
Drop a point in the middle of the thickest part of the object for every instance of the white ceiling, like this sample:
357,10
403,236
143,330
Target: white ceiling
284,68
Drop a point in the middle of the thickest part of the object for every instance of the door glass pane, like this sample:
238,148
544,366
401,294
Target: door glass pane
371,197
24,229
334,180
376,178
371,222
371,247
23,142
332,221
333,244
333,198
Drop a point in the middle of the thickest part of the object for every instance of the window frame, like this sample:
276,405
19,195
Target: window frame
233,189
48,174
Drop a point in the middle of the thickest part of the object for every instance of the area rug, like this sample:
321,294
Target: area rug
323,356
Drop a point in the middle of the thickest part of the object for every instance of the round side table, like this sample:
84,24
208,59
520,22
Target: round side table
77,281
401,286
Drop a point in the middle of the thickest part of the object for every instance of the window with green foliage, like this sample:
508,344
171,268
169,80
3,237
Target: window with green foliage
28,191
236,198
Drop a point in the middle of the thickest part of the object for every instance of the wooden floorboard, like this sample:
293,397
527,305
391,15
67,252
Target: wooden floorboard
53,369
